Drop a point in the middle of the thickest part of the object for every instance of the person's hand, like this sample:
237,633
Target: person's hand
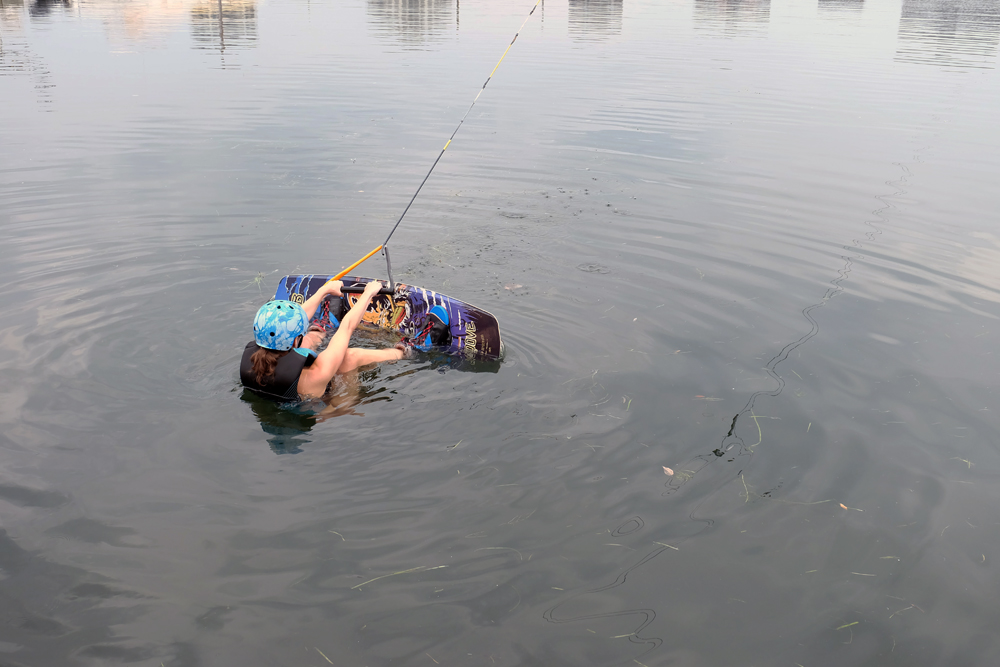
333,287
372,288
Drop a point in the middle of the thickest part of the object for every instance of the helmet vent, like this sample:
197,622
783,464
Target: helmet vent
277,323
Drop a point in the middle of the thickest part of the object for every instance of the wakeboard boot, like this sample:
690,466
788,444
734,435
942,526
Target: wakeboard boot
436,333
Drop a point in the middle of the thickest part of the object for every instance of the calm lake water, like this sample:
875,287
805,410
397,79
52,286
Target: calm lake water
755,242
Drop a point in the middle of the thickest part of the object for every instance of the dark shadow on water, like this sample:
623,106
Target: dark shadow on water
286,425
595,19
953,33
443,363
53,614
23,496
45,7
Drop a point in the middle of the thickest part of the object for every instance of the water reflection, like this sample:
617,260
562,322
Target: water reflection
414,21
31,628
286,429
131,23
10,10
847,12
836,5
732,16
224,25
46,7
287,425
957,33
125,218
16,56
595,19
221,25
13,57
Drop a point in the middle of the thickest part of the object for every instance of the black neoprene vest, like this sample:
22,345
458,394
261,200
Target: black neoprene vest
284,386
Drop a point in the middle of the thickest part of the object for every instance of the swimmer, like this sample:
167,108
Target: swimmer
281,362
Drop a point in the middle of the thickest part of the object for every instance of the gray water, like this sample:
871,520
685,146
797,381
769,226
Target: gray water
751,241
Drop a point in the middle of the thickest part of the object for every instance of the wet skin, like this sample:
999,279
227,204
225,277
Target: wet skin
338,358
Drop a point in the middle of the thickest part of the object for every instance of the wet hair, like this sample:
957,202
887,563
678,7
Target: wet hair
263,362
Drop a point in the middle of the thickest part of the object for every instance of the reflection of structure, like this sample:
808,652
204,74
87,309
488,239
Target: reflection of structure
224,24
45,7
16,56
10,15
960,33
10,10
13,56
414,21
846,12
841,4
732,16
594,19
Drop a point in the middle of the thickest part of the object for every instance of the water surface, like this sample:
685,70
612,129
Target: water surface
751,241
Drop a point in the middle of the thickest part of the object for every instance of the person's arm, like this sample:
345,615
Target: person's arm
331,288
314,379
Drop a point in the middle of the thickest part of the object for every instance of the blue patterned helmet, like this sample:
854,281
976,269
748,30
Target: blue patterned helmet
278,324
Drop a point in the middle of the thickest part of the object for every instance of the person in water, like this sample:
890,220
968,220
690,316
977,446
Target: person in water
281,362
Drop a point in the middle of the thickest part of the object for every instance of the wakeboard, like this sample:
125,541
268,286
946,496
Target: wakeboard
475,333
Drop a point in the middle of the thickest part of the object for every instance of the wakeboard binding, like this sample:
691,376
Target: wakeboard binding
436,333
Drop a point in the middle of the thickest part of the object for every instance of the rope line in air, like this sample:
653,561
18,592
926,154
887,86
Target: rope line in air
448,143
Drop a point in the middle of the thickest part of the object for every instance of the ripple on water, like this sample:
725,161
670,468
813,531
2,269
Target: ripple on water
745,242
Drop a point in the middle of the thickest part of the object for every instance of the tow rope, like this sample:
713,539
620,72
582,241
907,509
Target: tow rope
385,244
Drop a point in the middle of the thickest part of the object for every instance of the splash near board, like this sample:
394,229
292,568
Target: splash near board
474,333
